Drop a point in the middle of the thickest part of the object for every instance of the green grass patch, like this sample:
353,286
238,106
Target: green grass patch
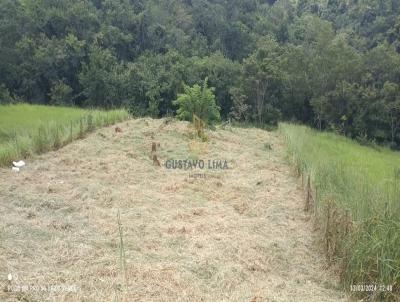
357,202
32,129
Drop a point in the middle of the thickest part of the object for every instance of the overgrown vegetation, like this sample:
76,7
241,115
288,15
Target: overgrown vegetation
331,64
357,204
30,129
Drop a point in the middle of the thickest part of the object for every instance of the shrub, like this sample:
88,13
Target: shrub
60,94
200,101
5,96
240,110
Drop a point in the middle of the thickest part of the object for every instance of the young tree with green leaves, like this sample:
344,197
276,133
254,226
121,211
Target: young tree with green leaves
200,101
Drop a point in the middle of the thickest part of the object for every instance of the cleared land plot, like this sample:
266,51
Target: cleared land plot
238,235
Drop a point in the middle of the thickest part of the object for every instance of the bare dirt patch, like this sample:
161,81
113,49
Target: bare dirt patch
237,235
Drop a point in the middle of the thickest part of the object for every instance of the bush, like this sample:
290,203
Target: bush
240,110
198,100
5,96
60,94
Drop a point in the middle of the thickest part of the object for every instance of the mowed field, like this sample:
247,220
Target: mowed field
97,221
30,129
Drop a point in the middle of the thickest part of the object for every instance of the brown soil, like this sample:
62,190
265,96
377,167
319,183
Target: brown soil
237,235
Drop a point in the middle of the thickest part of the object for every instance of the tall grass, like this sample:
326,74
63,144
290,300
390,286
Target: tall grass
27,129
357,203
122,257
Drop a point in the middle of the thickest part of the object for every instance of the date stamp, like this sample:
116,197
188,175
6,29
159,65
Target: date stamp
54,288
371,288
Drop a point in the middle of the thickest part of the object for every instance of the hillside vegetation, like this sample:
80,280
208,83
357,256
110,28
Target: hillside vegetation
357,203
331,64
30,129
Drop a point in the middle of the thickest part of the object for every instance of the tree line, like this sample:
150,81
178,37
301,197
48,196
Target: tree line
332,64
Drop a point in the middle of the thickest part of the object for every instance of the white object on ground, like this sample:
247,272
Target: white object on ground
15,169
9,277
19,164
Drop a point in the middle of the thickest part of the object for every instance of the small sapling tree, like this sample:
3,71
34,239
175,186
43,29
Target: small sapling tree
198,101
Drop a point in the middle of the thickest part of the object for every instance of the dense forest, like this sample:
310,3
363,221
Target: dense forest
333,64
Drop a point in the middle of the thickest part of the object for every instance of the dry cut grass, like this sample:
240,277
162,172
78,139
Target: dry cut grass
98,215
